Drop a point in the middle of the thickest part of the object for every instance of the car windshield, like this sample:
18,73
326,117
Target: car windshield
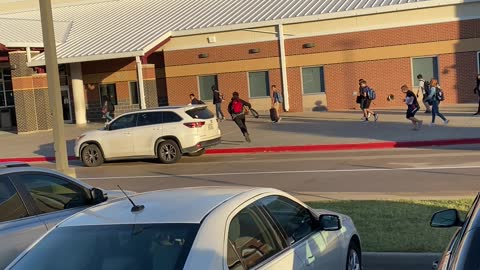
200,113
112,247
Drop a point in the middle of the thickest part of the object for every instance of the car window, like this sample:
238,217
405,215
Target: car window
149,118
112,247
126,121
233,258
171,117
11,205
51,193
296,220
200,113
252,237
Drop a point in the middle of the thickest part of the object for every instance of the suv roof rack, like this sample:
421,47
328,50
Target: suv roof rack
13,165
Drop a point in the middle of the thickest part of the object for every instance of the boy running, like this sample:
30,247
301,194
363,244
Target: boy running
412,107
236,110
365,101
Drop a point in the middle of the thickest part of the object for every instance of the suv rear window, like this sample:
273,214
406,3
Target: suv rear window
200,113
109,247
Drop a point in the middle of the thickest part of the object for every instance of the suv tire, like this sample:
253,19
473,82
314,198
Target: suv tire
168,152
92,156
197,153
354,260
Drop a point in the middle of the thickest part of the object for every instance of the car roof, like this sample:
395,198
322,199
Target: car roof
169,108
183,205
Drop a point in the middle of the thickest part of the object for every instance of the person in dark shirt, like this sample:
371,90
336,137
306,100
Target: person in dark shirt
194,100
236,108
476,90
412,107
217,100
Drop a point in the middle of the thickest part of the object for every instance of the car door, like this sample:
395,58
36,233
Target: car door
254,242
18,227
117,141
149,129
54,198
315,248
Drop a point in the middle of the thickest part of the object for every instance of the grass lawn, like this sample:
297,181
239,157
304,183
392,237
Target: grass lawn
397,226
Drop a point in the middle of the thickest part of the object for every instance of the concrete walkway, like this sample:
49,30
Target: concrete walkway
311,128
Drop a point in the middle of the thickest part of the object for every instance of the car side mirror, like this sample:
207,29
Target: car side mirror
329,223
446,218
98,196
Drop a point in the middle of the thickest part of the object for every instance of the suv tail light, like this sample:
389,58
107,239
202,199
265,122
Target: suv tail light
195,124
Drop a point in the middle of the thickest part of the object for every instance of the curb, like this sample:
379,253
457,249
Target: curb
296,148
342,147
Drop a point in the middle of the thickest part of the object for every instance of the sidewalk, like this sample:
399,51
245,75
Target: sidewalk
296,129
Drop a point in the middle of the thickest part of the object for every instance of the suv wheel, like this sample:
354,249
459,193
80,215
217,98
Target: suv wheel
168,152
197,153
92,156
354,261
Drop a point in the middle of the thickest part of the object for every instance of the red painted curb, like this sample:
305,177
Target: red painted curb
342,147
297,148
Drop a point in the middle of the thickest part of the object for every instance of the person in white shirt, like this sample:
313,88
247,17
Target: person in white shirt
424,88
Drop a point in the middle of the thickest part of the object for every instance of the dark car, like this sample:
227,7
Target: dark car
463,252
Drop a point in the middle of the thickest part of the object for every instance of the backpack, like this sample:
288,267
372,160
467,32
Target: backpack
426,87
371,94
439,94
110,106
278,97
237,106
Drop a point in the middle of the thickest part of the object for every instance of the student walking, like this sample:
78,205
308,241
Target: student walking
107,109
217,100
434,98
194,100
476,90
412,107
277,100
367,94
236,110
424,88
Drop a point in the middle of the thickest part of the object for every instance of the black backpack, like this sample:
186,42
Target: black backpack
426,87
439,94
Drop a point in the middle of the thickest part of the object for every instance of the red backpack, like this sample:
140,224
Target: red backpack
237,106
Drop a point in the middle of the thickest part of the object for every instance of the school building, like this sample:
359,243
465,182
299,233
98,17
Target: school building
149,53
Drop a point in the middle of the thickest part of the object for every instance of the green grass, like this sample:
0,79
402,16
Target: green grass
397,226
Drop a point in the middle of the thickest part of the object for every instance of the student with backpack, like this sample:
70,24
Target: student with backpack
412,107
236,110
476,90
217,100
424,87
435,97
107,109
277,100
367,94
195,101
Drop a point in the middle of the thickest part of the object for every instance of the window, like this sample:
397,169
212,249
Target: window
200,113
171,117
259,84
6,88
134,95
127,121
252,238
11,206
120,247
478,62
427,66
205,83
108,90
51,193
149,118
296,220
313,80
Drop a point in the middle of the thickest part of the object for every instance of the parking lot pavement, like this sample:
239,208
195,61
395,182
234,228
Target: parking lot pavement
399,261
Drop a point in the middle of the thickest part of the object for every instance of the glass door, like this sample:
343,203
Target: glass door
66,104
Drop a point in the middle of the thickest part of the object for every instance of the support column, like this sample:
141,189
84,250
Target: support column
150,86
78,94
283,66
141,87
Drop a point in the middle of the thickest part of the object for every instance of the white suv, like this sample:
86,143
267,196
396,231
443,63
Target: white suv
165,133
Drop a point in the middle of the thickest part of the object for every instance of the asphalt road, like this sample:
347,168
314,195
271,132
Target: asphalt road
402,173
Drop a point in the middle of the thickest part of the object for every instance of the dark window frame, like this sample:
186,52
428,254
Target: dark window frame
137,91
30,202
201,92
115,100
321,78
267,81
4,91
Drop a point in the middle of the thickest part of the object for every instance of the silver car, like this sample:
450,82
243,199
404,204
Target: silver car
34,200
229,228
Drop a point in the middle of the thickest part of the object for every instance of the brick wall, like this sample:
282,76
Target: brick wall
457,77
180,88
294,78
